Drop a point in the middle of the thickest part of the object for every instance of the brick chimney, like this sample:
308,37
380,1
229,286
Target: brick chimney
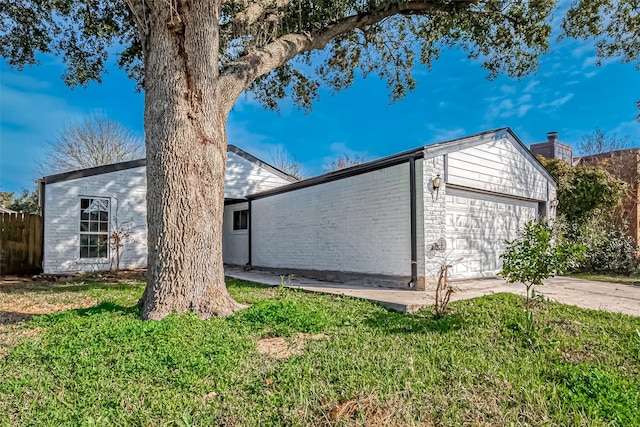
553,149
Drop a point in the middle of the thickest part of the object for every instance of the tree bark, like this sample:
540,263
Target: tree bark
185,117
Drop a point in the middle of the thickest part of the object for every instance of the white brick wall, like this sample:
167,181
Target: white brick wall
435,208
358,224
126,191
235,244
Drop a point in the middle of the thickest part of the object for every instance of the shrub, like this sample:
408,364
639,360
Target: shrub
539,252
608,248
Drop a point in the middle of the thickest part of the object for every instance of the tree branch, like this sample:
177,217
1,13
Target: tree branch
241,73
256,10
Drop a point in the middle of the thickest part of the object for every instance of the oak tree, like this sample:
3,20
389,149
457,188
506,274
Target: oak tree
193,60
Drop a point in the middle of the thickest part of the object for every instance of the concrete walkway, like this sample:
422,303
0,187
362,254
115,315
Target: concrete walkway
605,296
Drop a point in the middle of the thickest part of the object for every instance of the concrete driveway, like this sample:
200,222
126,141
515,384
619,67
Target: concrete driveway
605,296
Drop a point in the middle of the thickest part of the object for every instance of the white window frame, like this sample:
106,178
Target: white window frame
107,234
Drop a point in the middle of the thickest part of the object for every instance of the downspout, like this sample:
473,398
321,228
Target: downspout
414,223
41,203
249,232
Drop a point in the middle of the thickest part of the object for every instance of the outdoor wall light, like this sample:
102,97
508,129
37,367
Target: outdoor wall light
436,182
554,203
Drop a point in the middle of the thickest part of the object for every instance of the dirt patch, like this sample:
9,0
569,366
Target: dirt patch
281,348
370,411
15,308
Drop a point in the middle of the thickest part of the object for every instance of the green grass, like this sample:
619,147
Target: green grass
103,366
614,278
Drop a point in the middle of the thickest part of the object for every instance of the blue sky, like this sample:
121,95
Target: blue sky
568,94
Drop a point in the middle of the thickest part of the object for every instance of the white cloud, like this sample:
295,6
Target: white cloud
506,107
531,87
443,134
509,90
630,128
553,105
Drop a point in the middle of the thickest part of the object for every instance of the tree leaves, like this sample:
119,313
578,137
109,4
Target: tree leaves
614,24
506,36
584,190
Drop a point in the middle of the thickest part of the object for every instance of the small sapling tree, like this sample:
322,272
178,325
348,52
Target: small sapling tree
444,288
536,254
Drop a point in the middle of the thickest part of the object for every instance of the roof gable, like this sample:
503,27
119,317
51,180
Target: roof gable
433,150
115,167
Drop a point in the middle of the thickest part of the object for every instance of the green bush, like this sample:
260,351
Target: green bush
608,249
539,252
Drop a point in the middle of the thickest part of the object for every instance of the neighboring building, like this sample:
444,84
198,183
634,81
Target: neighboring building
624,165
6,210
390,221
553,149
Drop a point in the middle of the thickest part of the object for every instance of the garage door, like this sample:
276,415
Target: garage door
478,225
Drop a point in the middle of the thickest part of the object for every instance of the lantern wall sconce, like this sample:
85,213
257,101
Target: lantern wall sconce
554,203
435,182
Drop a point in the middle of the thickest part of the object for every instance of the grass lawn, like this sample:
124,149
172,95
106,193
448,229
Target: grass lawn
614,278
296,358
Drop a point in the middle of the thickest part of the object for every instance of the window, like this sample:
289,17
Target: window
94,228
241,220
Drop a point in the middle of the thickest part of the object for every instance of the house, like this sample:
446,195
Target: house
81,209
392,221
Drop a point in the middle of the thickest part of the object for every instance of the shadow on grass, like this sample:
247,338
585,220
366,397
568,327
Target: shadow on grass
60,287
243,284
13,317
395,323
104,307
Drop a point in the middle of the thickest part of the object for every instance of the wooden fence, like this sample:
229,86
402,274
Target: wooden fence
20,243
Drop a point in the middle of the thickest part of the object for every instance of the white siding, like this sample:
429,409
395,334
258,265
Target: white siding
244,177
477,227
499,166
235,244
357,224
126,190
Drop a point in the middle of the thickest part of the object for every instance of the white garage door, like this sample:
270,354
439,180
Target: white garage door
478,225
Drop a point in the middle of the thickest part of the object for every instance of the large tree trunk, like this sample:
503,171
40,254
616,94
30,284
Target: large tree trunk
185,116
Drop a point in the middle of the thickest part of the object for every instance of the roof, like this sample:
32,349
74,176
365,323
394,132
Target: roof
431,150
114,167
6,210
635,150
